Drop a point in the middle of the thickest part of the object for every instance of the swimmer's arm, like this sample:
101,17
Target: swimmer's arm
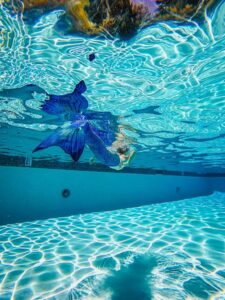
131,156
124,162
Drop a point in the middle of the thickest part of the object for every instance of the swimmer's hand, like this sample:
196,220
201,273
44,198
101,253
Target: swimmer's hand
124,161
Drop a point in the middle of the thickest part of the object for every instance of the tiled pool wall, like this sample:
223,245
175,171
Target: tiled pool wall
31,194
217,184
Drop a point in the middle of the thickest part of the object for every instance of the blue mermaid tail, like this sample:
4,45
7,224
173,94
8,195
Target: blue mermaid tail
72,103
96,129
99,149
70,139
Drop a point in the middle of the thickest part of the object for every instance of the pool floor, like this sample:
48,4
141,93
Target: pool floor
174,250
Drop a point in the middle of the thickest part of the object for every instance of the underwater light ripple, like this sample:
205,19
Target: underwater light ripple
154,68
184,245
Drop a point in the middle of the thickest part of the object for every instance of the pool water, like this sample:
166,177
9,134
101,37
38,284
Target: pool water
165,86
174,250
164,91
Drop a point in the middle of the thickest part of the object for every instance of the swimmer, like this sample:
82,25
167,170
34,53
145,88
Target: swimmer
122,146
125,153
97,130
107,140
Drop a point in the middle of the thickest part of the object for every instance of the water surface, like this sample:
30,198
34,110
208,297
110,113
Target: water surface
165,85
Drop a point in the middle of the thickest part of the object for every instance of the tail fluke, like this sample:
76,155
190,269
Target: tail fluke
53,106
50,141
71,140
78,101
80,87
74,102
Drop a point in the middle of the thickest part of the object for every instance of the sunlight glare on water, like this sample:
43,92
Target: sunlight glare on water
166,84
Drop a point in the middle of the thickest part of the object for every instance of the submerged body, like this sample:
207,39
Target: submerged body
97,130
91,128
117,17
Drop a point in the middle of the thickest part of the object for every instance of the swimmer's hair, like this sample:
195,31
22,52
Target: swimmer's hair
122,150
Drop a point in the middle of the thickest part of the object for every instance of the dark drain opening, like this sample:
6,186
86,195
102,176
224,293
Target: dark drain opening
66,193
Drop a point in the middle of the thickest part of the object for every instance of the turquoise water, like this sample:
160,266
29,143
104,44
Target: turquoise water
165,91
165,85
174,250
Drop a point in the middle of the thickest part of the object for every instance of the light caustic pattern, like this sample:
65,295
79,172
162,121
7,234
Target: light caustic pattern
72,257
166,83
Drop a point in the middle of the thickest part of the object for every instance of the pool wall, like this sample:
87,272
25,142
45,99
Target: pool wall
30,194
218,184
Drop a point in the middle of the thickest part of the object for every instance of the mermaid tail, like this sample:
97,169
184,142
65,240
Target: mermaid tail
103,125
71,140
94,128
97,146
69,103
108,137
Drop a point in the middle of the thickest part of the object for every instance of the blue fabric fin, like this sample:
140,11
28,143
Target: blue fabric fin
78,103
99,149
108,137
104,120
53,106
71,140
105,116
80,87
73,102
104,125
65,104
